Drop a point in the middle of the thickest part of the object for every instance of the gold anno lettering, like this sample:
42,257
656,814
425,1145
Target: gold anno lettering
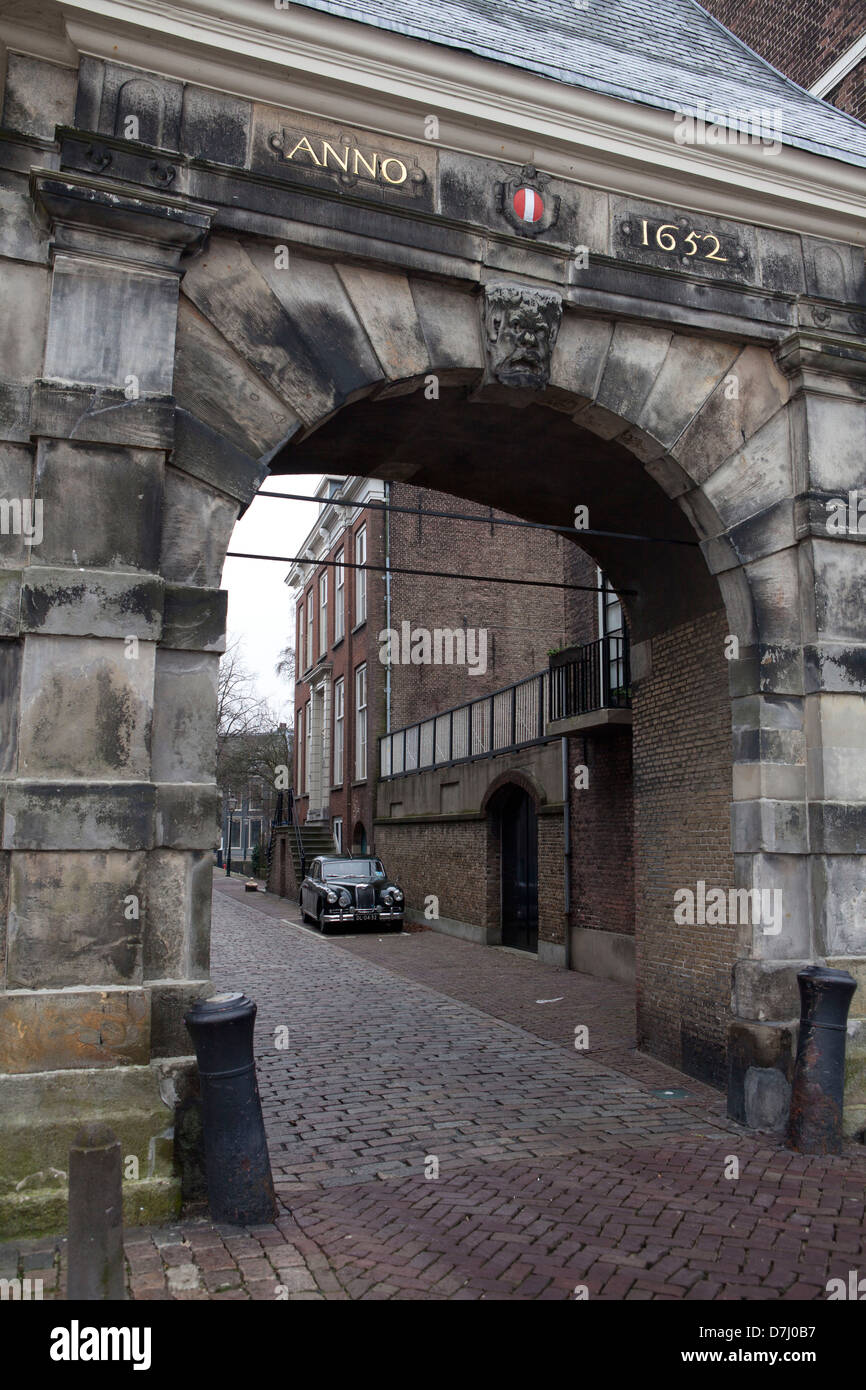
304,144
371,168
328,148
400,165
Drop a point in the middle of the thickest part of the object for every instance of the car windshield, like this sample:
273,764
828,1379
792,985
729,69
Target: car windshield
353,868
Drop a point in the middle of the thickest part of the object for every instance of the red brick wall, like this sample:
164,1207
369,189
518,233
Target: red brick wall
850,95
682,791
802,38
602,832
352,800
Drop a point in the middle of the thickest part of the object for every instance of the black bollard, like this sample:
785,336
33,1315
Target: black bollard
815,1123
239,1183
96,1269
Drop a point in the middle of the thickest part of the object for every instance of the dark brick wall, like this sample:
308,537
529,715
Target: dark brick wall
802,38
602,832
682,793
459,862
523,624
444,858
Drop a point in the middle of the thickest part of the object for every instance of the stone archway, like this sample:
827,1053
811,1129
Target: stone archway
145,446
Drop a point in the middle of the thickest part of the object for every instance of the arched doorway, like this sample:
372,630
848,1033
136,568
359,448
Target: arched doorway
518,849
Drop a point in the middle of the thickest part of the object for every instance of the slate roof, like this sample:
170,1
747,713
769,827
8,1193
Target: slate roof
664,53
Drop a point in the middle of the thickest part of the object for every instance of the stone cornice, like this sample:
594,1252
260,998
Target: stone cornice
309,61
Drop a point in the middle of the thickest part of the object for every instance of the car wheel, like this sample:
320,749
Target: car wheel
319,923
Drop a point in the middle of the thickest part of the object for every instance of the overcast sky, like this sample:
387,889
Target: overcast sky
260,609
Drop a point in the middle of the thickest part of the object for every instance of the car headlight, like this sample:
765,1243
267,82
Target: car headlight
397,895
332,897
345,900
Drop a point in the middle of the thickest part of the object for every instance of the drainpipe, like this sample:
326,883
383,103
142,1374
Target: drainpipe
388,604
566,831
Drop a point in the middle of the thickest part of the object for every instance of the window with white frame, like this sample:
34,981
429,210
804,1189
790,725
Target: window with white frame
338,833
310,602
300,647
308,760
360,575
254,835
339,729
339,597
323,613
361,723
300,748
610,622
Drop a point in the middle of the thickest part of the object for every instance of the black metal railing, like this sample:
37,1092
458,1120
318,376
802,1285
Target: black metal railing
596,675
507,719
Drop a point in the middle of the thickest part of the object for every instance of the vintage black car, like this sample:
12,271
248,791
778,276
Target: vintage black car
340,890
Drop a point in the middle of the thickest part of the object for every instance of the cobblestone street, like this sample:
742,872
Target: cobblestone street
556,1168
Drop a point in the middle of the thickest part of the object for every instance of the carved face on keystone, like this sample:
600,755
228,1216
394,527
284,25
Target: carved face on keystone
521,329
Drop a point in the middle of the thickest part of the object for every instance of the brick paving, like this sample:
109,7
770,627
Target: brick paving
560,1172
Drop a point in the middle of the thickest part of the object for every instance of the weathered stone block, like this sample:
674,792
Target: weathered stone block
779,827
215,125
194,619
26,287
102,507
46,1031
633,363
198,527
204,454
689,374
91,603
169,1035
725,424
187,816
836,738
223,389
101,416
39,95
86,707
450,324
16,486
85,815
177,936
834,579
580,354
74,919
756,477
384,305
184,722
766,991
839,898
21,237
760,1071
141,310
783,880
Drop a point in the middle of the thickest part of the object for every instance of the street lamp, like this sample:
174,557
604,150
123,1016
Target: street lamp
231,802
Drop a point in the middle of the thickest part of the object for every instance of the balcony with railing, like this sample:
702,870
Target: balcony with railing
590,685
585,687
507,719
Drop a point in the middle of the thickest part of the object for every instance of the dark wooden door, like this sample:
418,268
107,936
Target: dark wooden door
519,872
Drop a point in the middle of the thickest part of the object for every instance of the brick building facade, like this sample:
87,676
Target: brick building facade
806,41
